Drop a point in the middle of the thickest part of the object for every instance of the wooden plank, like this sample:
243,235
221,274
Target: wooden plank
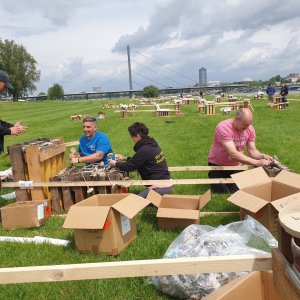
56,197
18,169
34,171
127,183
137,268
286,285
209,168
47,154
75,143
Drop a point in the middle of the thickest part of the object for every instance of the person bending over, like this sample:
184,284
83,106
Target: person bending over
231,137
148,160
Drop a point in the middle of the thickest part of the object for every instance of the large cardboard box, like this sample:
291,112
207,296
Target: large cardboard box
24,214
105,223
178,211
255,286
261,196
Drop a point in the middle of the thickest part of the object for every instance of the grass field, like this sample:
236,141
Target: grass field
185,142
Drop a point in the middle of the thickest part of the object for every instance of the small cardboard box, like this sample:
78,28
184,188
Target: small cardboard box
256,285
24,214
105,223
178,211
262,197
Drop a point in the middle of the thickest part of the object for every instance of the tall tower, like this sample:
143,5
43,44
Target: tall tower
202,77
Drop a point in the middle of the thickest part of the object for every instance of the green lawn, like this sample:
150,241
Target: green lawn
186,141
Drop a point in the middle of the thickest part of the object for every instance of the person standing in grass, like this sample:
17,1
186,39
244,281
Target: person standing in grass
270,91
93,145
284,92
231,137
148,160
5,127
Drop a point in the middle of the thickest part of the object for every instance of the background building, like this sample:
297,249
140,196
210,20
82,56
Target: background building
202,77
294,77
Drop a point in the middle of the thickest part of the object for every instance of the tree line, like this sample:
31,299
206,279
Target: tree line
22,69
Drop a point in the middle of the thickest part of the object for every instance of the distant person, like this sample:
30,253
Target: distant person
148,160
8,128
231,137
270,91
93,145
284,91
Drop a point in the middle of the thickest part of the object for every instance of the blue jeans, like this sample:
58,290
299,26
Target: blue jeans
161,191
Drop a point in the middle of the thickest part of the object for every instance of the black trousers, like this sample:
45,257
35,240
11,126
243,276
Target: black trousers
222,188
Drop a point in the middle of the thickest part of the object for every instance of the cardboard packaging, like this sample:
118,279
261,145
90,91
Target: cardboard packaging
178,211
105,223
256,285
24,214
262,197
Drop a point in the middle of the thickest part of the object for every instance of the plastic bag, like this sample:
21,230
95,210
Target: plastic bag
238,238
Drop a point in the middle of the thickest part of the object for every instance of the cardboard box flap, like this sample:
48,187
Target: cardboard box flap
247,201
251,177
131,205
86,217
286,201
174,213
288,178
154,198
204,199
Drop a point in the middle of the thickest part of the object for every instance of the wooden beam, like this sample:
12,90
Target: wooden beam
51,152
137,268
126,183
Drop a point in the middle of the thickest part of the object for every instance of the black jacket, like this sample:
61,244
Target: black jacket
148,160
4,130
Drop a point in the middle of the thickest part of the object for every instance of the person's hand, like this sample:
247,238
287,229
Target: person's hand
112,162
74,160
268,157
120,157
263,162
15,130
21,127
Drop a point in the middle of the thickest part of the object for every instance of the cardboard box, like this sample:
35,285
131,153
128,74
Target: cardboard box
261,196
24,214
105,223
178,211
256,285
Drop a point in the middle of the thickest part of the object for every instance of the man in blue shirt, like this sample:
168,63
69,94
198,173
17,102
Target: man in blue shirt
93,145
270,92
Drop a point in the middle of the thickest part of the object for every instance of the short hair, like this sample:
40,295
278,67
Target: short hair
89,119
138,128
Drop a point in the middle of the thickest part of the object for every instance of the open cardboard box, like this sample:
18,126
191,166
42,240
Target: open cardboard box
178,211
25,214
255,286
105,223
261,196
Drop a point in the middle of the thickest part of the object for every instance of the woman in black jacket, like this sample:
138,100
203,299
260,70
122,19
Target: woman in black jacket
148,160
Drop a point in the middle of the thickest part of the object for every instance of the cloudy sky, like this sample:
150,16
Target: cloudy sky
82,44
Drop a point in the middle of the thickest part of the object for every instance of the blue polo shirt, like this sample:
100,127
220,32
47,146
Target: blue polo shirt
99,142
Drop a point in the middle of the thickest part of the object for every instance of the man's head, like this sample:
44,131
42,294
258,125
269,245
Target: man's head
243,119
89,127
138,131
4,82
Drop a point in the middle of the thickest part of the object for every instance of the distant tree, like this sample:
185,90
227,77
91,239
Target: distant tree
150,91
55,92
21,68
42,94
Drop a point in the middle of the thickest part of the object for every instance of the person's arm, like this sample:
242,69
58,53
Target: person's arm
5,128
132,164
88,158
242,158
254,153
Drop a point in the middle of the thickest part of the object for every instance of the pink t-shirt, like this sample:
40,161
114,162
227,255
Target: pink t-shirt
225,132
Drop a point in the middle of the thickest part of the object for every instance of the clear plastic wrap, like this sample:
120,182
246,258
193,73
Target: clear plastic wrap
238,238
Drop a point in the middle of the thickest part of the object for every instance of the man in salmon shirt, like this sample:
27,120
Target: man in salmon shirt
231,137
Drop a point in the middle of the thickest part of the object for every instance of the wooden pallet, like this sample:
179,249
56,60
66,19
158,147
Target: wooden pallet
36,160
